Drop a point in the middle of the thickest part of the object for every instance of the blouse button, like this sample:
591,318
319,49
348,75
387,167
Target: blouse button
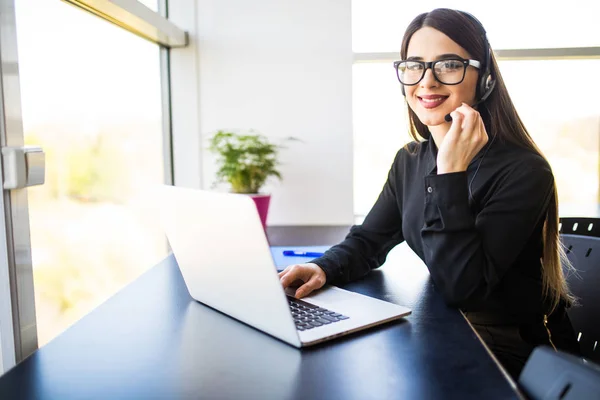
429,189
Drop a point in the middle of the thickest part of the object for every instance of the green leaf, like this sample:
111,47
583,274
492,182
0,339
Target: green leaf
245,161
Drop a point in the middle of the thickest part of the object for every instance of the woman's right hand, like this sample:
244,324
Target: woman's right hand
308,277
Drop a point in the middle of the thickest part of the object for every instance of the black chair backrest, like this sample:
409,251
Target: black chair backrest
550,374
581,238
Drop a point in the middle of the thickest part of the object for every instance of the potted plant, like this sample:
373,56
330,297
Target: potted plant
245,162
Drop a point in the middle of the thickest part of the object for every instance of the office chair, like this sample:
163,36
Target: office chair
550,374
581,239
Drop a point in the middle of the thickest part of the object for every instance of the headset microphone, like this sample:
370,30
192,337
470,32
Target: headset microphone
448,117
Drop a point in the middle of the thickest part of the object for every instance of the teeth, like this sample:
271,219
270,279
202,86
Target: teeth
432,100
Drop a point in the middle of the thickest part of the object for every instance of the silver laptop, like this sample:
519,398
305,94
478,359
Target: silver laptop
226,263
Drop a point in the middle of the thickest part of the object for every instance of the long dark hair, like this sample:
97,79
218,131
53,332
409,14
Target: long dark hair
502,122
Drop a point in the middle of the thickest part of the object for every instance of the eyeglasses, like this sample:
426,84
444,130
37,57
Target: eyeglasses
448,72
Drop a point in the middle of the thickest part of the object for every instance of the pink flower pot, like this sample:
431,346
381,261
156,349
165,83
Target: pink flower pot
262,206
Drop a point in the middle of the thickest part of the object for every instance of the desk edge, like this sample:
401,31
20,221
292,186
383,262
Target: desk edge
510,380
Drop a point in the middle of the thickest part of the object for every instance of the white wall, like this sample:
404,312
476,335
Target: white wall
284,68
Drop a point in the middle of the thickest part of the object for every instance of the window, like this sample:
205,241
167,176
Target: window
564,120
380,129
91,97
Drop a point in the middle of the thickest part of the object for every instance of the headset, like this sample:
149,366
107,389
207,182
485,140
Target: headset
486,83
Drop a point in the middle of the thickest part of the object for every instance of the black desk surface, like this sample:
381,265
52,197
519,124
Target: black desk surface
152,341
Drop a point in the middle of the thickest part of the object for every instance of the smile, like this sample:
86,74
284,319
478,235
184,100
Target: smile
432,101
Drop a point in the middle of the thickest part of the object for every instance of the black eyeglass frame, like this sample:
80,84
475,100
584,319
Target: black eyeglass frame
429,64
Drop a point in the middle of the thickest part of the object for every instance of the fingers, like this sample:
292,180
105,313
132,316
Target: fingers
465,138
294,273
474,124
285,271
308,277
467,117
457,121
314,283
471,125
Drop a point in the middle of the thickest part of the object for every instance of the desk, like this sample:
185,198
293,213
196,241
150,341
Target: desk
152,341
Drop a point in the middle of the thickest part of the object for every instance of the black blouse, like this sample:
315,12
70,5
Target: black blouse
479,232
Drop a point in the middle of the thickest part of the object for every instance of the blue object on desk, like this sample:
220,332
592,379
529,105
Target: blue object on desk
294,253
282,261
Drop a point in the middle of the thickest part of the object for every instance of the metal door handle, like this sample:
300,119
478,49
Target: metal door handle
23,166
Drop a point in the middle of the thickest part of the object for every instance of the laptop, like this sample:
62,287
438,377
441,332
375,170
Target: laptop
226,263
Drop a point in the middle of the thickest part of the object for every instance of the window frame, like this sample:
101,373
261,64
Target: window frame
564,53
136,18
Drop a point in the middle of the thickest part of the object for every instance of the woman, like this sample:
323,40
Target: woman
474,198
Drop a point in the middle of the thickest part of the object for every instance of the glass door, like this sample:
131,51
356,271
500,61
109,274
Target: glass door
91,95
97,98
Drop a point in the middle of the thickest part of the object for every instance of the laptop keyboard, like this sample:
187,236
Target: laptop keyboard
308,316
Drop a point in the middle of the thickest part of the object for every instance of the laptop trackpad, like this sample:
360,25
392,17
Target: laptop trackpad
326,295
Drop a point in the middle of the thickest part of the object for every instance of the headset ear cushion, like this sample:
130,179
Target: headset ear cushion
481,85
486,86
488,82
